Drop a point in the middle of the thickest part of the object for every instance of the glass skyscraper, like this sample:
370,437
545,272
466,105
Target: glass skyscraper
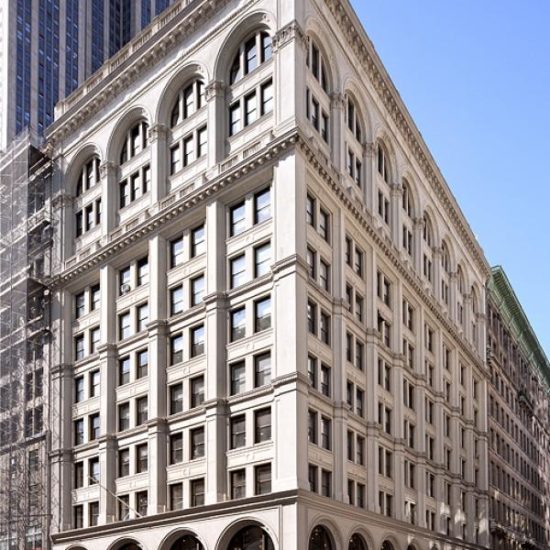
49,47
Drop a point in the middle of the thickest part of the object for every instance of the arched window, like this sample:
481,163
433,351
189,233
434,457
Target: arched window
445,272
475,311
87,206
188,138
354,147
135,180
387,545
317,90
427,255
135,141
357,543
251,538
408,222
320,539
130,546
256,100
187,542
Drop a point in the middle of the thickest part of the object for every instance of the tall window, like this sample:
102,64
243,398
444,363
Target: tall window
354,139
427,254
87,212
317,91
190,100
408,221
135,141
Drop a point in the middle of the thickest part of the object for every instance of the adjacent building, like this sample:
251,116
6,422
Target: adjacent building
49,47
269,311
519,420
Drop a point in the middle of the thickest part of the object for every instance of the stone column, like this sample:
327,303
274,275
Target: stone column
337,107
158,139
215,329
109,173
437,273
417,245
217,129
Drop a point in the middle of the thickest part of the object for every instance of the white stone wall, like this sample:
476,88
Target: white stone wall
282,151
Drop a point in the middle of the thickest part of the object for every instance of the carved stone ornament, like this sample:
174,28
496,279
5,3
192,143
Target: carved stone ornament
291,31
107,168
214,89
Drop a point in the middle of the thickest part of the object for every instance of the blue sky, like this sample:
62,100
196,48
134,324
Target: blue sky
475,76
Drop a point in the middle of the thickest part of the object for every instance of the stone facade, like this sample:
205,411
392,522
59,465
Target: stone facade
270,310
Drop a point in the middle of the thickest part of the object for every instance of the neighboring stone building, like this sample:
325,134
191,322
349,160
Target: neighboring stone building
519,421
269,320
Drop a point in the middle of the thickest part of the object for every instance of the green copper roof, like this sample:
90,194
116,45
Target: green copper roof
503,295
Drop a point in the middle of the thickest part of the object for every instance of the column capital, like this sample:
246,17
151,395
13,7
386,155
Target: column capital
158,131
62,370
337,100
107,169
214,89
62,200
291,31
396,189
369,149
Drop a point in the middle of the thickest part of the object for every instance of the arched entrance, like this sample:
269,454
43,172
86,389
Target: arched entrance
320,539
357,542
187,542
252,537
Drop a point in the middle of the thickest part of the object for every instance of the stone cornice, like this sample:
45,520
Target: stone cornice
364,51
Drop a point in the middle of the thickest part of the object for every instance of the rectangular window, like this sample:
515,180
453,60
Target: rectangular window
94,383
176,252
79,431
142,317
197,290
326,433
250,108
325,380
123,507
176,496
188,150
238,431
78,475
141,411
123,462
262,475
123,370
312,370
176,448
175,159
197,341
238,484
238,378
93,513
262,206
262,425
80,305
197,492
238,324
262,370
198,241
143,271
237,271
237,219
197,443
262,314
123,417
142,501
235,118
79,389
267,97
142,461
176,398
324,327
326,483
262,259
79,347
142,360
94,427
124,327
197,391
202,142
313,476
176,349
176,300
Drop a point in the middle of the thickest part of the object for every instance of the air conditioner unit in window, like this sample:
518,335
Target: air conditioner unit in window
125,288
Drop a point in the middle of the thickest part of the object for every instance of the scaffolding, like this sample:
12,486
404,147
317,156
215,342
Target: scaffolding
25,264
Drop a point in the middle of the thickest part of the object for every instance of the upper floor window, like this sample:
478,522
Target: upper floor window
427,233
190,100
317,65
89,176
407,202
135,141
353,120
445,258
383,164
252,53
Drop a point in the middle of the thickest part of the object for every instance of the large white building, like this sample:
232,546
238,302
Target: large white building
268,320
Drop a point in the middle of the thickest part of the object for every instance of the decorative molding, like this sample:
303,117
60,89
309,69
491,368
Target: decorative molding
107,168
158,131
364,52
214,89
291,31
